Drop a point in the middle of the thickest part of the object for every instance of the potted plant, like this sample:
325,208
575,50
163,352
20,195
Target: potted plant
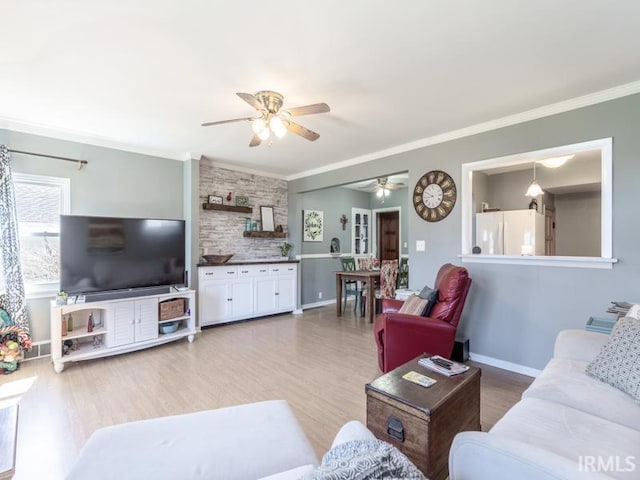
285,248
61,297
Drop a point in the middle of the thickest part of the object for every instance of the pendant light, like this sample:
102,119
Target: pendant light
534,189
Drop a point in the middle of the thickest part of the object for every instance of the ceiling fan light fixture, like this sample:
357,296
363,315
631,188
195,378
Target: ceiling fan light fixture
277,126
258,126
264,134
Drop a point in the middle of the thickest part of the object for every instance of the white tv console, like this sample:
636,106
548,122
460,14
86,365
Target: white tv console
122,325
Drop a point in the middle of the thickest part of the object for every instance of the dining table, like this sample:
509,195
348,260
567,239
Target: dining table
368,277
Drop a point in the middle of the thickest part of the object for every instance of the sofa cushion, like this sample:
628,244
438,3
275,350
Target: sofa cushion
571,433
564,381
431,295
414,305
618,363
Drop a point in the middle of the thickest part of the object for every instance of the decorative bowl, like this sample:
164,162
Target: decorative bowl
169,327
217,258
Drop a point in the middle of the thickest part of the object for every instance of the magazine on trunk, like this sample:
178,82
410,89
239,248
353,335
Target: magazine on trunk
442,365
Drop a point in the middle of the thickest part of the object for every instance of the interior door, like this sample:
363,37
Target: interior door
388,235
549,231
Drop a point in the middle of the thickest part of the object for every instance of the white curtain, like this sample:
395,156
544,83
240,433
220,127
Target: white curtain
10,252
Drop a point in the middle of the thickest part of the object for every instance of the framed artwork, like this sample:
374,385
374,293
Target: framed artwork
312,225
266,217
215,199
242,201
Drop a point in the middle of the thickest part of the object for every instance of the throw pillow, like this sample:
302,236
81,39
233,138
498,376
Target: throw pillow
365,460
414,305
431,295
618,363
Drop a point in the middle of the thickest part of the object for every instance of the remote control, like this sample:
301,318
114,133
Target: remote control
442,363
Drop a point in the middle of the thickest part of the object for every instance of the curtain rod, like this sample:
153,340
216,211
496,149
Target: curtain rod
66,159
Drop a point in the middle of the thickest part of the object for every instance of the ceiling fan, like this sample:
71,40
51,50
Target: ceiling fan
272,120
382,186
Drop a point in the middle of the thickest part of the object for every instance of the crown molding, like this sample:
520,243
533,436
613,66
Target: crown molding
237,168
83,137
533,114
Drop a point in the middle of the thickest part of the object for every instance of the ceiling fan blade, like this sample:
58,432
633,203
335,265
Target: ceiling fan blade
308,109
255,141
208,124
302,131
251,100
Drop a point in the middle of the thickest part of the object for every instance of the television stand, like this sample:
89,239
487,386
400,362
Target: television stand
120,325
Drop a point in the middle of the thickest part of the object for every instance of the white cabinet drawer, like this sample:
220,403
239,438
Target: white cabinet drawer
253,270
218,273
283,269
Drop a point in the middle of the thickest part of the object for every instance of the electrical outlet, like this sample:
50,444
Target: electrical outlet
320,295
420,246
405,245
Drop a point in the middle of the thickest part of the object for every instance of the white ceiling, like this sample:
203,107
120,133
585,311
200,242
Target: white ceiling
142,75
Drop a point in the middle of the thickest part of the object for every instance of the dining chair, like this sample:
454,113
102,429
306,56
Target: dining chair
388,280
403,273
365,263
351,287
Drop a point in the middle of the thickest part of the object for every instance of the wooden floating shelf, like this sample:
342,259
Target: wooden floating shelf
226,208
265,234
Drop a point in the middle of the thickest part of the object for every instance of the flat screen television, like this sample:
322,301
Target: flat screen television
100,254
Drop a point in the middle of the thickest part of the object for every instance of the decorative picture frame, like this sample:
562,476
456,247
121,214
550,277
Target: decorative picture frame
266,217
214,200
312,225
242,201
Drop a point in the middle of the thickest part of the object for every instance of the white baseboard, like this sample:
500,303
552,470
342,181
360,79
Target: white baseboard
318,304
512,367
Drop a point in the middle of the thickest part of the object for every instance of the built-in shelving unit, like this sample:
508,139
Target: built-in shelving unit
226,208
264,234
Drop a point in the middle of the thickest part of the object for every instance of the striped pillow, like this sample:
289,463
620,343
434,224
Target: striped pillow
414,305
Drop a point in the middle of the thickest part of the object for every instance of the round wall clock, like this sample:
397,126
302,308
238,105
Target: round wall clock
434,195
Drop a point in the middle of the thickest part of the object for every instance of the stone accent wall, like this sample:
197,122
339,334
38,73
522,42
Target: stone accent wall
221,232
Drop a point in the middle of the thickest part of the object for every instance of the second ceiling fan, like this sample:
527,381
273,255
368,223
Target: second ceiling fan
273,120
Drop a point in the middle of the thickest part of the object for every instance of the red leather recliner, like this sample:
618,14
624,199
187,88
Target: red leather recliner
401,337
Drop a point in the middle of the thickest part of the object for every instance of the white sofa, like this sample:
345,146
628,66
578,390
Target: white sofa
254,441
566,426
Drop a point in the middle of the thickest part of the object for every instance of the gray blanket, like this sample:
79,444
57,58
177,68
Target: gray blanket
365,460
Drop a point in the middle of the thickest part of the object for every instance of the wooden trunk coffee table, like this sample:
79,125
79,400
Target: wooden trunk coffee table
421,422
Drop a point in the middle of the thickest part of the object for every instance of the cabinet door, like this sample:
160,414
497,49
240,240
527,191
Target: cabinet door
265,294
242,298
146,326
123,324
215,303
286,289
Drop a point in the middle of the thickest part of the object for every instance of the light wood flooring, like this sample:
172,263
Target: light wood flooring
316,361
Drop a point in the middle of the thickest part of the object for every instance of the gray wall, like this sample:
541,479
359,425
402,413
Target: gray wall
578,224
114,183
514,312
318,282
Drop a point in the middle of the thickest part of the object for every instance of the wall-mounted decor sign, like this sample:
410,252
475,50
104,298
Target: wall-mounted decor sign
312,225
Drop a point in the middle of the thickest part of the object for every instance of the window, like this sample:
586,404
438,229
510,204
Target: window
586,174
40,201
